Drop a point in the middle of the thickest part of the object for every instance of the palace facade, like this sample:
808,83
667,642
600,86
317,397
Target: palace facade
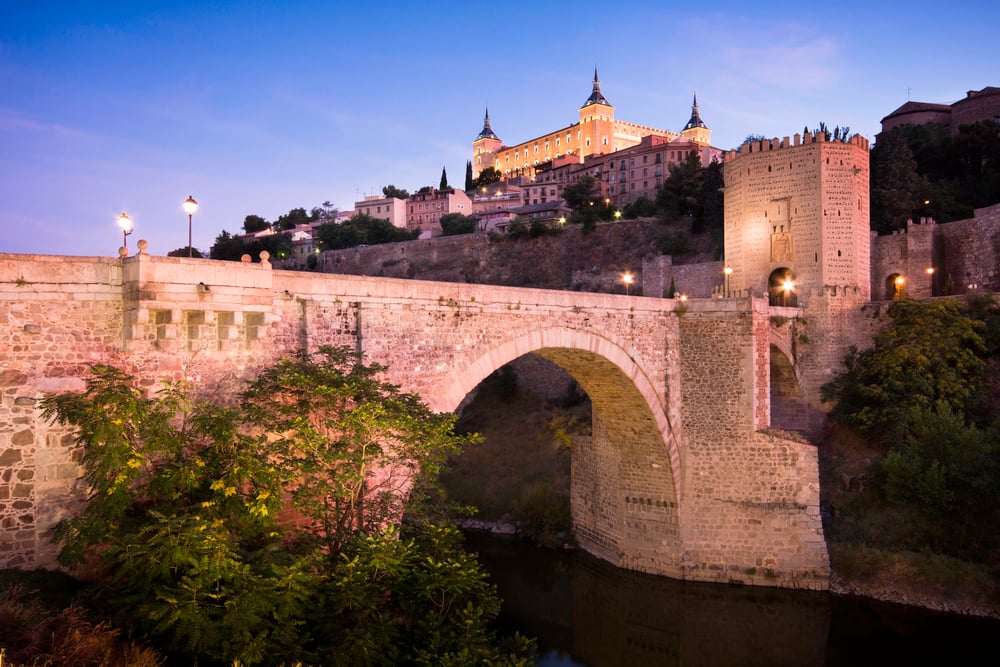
626,160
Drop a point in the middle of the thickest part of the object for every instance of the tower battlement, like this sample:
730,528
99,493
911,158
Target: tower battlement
776,144
797,215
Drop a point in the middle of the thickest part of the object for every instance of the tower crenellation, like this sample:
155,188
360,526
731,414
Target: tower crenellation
796,215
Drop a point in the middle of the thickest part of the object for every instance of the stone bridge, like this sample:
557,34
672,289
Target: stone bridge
682,475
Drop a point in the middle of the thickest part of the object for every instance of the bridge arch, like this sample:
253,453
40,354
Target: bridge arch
789,409
625,485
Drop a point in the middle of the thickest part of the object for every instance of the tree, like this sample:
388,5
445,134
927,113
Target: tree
487,176
361,229
444,180
582,193
183,252
712,213
681,192
393,191
469,182
896,187
453,224
325,211
255,223
295,217
930,354
261,531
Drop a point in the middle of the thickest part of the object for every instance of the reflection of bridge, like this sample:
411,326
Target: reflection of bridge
678,478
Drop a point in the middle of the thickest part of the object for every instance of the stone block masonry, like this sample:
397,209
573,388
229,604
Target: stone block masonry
676,480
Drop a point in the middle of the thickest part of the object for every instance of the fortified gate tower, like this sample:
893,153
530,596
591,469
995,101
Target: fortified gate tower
797,217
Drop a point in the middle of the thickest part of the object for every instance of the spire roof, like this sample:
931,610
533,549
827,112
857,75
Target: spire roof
487,131
696,120
595,96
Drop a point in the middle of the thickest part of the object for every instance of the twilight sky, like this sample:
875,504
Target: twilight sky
260,107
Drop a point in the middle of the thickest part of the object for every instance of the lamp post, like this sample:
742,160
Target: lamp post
627,279
728,271
930,276
125,223
900,283
190,206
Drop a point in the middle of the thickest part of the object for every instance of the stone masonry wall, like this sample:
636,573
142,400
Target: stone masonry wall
647,371
965,256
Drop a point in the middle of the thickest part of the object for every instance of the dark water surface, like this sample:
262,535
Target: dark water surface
586,612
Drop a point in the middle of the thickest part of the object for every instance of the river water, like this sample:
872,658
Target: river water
586,612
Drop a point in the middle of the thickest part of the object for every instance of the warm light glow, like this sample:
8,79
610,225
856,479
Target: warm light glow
618,215
190,205
728,270
125,223
627,278
930,270
562,220
683,297
788,285
900,280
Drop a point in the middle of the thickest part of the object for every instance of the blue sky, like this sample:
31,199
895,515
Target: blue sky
259,107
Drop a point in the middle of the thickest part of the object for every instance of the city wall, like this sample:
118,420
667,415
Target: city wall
676,479
965,256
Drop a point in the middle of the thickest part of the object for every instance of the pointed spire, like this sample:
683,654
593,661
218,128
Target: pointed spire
487,131
595,96
695,121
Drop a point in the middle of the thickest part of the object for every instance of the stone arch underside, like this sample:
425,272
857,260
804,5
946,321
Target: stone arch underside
624,488
789,410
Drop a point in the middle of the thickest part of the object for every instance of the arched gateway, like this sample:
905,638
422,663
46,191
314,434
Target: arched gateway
680,476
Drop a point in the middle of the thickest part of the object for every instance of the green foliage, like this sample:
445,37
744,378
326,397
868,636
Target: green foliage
296,216
542,514
896,188
444,180
584,193
255,223
696,192
362,229
257,530
486,177
679,195
642,207
469,182
518,228
233,248
950,472
185,252
392,191
930,353
453,224
925,170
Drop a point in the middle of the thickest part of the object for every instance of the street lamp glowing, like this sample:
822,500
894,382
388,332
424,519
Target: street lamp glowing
788,285
618,215
728,271
627,279
190,206
125,223
562,220
930,270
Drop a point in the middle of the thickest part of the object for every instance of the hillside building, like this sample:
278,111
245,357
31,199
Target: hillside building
976,106
426,206
626,160
386,208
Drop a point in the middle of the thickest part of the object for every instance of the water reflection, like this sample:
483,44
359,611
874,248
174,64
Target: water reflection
585,612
